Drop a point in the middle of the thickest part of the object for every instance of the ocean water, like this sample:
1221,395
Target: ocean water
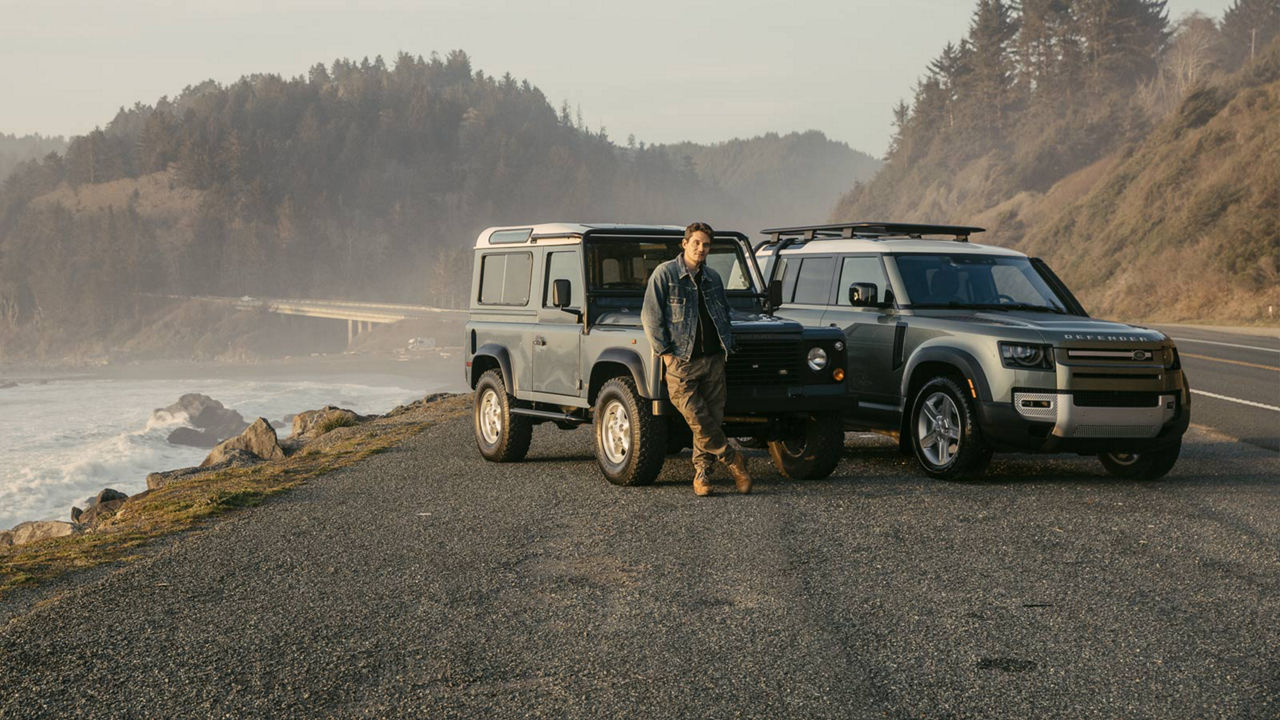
64,440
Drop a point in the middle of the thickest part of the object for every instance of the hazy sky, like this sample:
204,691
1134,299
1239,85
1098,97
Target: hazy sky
663,70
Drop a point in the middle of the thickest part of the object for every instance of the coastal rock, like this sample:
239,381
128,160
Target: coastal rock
258,440
207,414
317,422
99,513
192,437
105,495
29,532
109,494
6,538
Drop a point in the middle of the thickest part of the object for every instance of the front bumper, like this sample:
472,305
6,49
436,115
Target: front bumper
1053,421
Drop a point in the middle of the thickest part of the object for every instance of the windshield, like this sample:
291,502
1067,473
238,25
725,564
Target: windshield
623,265
975,281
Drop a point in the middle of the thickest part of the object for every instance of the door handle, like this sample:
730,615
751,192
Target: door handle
539,340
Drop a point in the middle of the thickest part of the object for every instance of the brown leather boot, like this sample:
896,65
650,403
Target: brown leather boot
738,469
701,485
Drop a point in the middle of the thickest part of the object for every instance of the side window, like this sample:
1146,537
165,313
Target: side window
563,265
504,278
861,269
813,281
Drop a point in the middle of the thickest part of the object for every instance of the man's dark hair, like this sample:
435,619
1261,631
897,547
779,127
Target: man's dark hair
698,227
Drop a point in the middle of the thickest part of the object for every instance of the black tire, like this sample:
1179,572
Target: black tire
631,444
500,435
1150,465
960,453
815,450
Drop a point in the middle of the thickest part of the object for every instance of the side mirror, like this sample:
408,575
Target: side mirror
863,294
775,294
561,294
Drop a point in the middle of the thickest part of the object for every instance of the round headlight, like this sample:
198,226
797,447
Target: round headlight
817,358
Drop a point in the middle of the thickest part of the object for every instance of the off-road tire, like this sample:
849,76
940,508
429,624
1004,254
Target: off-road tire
501,435
643,434
814,453
1150,465
966,455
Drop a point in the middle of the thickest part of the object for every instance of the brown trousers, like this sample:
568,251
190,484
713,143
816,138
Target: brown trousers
697,390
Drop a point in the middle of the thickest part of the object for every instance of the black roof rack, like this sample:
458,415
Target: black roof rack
870,230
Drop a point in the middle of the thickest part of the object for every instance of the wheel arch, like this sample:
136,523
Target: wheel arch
932,362
612,363
489,357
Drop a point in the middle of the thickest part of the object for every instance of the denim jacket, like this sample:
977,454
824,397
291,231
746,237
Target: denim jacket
670,313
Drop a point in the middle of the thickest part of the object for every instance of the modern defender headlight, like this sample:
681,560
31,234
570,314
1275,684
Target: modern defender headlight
817,358
1026,356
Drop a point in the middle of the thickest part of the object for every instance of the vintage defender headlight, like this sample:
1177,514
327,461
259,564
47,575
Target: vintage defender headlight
1026,356
817,358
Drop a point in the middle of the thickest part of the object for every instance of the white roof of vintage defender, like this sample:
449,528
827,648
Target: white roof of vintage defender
877,237
525,234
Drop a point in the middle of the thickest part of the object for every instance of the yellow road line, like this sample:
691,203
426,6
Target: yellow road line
1233,362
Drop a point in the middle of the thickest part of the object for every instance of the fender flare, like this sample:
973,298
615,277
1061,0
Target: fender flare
503,358
962,360
629,359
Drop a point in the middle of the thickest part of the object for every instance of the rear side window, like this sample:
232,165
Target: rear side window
813,281
504,278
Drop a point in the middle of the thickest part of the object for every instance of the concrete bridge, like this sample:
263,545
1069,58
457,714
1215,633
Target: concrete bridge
360,316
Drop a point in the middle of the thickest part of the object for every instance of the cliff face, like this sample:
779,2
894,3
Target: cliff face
1165,216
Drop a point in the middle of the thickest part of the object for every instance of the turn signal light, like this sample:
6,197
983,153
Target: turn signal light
838,374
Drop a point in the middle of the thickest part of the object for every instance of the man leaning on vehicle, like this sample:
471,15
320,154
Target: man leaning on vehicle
686,318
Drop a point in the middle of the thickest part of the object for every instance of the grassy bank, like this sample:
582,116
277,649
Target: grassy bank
189,503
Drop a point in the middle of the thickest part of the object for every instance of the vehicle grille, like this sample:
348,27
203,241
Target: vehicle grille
1116,431
763,361
1128,355
1115,398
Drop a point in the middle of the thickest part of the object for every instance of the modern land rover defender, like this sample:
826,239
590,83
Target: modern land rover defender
964,349
554,335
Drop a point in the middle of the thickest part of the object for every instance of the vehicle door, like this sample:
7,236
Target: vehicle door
873,332
557,339
806,287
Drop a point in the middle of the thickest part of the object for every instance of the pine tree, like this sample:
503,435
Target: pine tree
1247,27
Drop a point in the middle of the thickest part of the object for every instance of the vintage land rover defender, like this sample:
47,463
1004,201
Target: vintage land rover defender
962,349
554,335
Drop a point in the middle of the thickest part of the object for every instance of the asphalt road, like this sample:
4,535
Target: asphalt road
425,582
1235,381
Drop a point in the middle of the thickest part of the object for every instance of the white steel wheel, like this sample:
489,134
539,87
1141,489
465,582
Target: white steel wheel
631,442
501,435
616,433
490,416
938,429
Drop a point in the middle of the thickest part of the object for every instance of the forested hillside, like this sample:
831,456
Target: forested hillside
360,181
1139,157
15,150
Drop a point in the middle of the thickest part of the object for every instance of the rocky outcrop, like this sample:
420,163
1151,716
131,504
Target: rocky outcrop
29,532
6,538
99,513
234,458
212,421
192,437
259,440
313,423
106,495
